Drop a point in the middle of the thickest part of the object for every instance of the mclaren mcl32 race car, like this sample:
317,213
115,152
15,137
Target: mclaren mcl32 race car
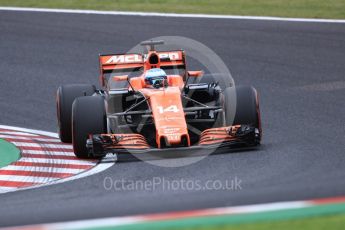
147,104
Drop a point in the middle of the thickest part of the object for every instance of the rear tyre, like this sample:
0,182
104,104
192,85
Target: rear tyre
247,110
65,96
88,117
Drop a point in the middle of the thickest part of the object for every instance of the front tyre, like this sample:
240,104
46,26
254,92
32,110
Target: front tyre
88,117
65,96
241,106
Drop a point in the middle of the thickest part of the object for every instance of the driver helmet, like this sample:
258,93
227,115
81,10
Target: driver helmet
155,77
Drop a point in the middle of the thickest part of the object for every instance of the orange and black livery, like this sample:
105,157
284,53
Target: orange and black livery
147,104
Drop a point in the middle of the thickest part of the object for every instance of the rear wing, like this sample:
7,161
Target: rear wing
110,62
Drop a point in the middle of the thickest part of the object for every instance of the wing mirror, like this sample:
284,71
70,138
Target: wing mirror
120,78
195,73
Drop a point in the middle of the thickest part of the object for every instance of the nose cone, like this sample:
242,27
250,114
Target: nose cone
169,116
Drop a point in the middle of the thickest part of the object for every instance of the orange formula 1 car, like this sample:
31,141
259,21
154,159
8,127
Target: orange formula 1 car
147,105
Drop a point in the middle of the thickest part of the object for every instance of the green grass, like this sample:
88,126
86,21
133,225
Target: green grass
330,216
8,153
282,8
333,222
326,222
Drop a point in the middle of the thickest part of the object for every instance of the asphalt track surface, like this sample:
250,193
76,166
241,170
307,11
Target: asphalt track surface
297,67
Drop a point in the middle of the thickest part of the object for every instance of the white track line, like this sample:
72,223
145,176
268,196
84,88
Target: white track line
41,145
18,133
258,208
43,169
32,131
30,179
49,153
155,14
95,223
55,161
29,138
4,189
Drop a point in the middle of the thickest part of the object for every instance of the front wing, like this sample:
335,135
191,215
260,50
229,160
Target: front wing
133,146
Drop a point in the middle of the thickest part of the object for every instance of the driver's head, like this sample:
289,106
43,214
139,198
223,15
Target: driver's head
155,77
